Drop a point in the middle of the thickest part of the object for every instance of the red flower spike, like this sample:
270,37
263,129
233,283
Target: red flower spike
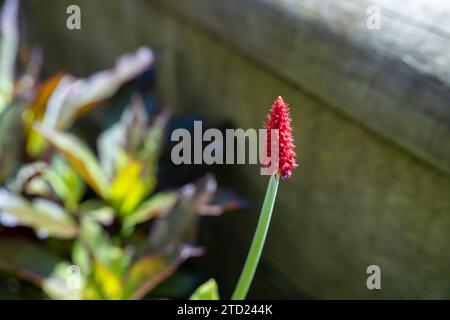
280,118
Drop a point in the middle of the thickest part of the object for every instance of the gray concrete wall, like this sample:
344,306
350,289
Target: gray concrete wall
358,197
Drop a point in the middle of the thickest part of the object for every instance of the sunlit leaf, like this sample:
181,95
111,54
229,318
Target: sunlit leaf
44,216
96,210
130,186
207,291
80,158
40,179
104,283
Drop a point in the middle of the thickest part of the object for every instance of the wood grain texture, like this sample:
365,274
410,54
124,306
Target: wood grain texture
395,80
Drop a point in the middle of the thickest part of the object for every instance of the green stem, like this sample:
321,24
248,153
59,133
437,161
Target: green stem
246,278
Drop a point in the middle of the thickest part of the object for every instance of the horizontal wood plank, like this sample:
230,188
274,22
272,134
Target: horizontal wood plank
394,80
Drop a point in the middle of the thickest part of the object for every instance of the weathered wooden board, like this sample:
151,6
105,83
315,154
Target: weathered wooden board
395,80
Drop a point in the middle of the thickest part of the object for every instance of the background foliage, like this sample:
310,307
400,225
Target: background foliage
86,215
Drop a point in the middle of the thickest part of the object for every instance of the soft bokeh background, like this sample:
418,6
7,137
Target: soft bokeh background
371,117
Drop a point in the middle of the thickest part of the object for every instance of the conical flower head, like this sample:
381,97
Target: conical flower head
280,118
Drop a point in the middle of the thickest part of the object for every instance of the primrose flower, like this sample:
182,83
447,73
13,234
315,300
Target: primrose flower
280,118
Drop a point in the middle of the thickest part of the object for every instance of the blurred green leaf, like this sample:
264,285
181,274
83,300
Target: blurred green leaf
156,206
103,283
151,149
94,240
130,186
44,216
19,184
110,147
64,98
35,142
150,270
38,187
81,257
135,122
26,259
103,263
56,286
80,158
9,39
124,137
10,149
94,244
145,274
207,291
65,182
